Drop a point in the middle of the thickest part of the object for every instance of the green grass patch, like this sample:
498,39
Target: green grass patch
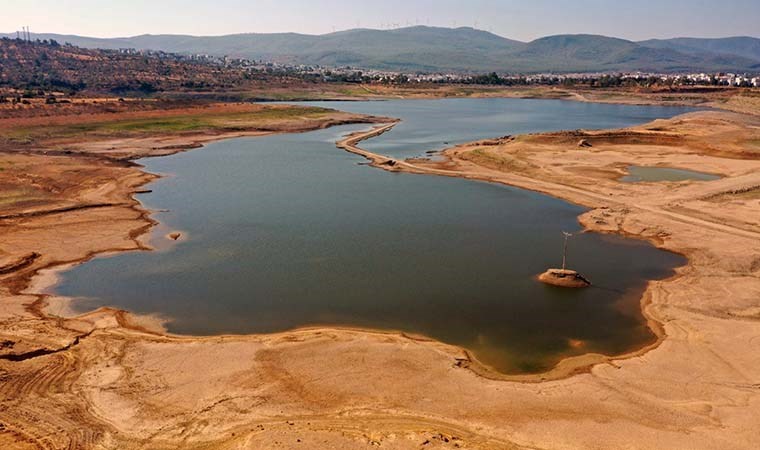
265,117
175,124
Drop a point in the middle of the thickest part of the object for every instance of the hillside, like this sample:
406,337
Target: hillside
52,66
415,48
747,47
579,53
431,49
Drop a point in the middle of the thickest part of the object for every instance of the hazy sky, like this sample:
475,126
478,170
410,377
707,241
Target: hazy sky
523,20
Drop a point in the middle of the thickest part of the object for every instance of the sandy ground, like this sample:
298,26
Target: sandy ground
745,100
108,379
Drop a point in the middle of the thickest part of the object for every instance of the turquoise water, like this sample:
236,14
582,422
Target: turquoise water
287,231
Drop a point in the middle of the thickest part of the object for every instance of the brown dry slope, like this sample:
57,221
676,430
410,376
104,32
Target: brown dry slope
104,380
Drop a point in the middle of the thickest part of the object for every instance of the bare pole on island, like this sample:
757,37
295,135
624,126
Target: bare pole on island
564,277
564,249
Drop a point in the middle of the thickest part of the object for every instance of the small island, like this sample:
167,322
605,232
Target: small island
564,277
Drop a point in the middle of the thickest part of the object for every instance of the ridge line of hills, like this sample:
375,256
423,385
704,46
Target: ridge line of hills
462,50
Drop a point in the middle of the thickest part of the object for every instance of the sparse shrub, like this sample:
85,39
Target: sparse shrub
147,88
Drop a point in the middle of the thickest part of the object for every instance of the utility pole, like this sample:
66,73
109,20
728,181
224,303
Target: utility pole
564,249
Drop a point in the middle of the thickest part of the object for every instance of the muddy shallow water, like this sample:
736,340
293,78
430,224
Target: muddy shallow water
639,174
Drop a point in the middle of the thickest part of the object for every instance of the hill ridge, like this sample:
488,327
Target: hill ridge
463,50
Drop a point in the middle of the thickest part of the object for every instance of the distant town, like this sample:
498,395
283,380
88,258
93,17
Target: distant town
349,74
49,69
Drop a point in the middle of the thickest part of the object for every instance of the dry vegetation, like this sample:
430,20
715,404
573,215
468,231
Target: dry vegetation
61,67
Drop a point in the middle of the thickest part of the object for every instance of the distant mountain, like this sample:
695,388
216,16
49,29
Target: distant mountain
582,52
747,47
431,49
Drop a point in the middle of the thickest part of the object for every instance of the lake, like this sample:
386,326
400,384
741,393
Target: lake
287,231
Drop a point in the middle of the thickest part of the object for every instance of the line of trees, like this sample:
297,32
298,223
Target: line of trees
49,42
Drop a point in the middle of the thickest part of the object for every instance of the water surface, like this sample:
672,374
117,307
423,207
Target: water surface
288,231
638,174
429,125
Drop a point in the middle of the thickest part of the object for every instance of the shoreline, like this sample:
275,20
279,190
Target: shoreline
725,98
565,367
123,323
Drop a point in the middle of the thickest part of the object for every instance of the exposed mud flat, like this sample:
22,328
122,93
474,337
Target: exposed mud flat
112,380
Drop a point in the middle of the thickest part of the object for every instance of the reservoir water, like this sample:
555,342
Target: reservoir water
638,174
436,124
287,231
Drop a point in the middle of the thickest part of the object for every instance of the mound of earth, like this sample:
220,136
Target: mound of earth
564,278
